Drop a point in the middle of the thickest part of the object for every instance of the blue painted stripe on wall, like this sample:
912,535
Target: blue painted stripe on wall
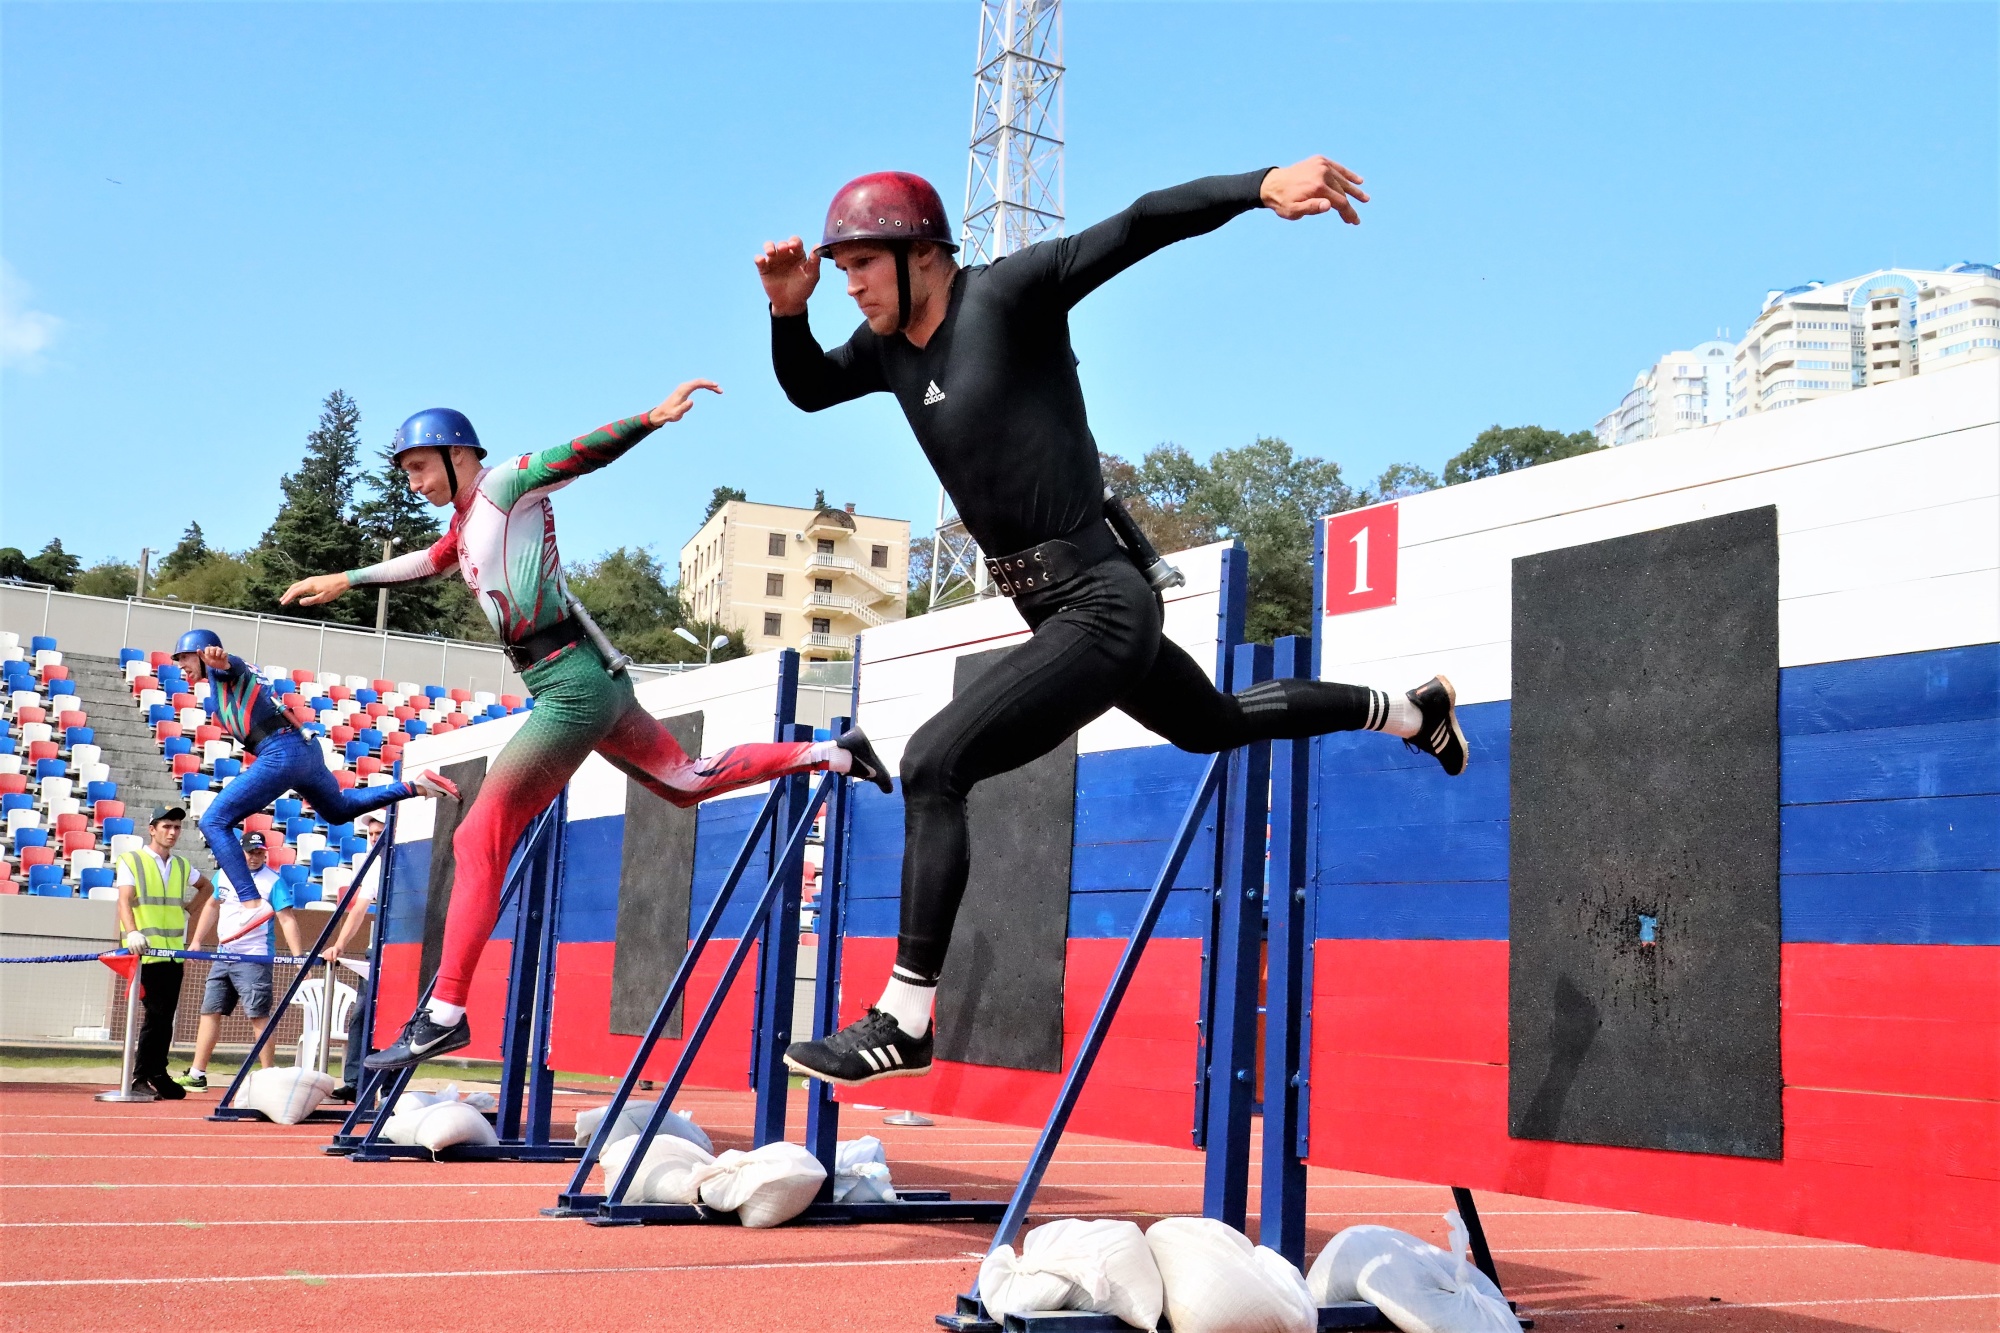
1889,777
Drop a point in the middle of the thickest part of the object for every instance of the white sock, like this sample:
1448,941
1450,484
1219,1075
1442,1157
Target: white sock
909,1002
444,1014
197,1073
1394,714
835,759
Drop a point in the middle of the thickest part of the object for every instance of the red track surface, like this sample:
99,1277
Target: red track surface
149,1217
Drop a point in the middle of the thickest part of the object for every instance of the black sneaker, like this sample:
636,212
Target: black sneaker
164,1085
868,765
867,1049
193,1082
346,1092
423,1039
1439,737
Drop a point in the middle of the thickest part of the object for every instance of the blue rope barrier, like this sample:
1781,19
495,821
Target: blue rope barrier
203,954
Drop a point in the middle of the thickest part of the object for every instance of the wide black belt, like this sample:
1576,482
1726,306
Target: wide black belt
524,653
263,731
1053,562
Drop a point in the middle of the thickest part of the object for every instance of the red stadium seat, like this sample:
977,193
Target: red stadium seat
166,731
183,700
376,709
186,763
82,840
145,683
50,673
13,784
257,823
391,755
345,778
302,677
382,686
73,718
278,856
75,823
28,715
367,766
40,750
404,713
460,696
301,712
340,735
511,701
338,693
37,856
158,658
104,810
205,733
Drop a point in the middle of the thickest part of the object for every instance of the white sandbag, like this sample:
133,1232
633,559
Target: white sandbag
633,1119
1104,1266
1417,1286
450,1125
668,1173
412,1102
286,1094
861,1172
484,1102
1216,1281
765,1187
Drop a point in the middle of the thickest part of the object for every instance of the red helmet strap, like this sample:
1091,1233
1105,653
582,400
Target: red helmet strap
902,251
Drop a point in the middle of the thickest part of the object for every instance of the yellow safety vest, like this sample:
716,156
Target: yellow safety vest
159,907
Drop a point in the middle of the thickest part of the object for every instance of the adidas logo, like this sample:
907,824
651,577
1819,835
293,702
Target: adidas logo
880,1058
933,395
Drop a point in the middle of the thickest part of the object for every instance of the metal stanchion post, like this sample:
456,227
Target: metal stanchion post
125,1092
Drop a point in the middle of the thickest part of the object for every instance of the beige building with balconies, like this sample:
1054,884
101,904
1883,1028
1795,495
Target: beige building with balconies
809,579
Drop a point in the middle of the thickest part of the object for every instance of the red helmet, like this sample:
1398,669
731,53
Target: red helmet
887,206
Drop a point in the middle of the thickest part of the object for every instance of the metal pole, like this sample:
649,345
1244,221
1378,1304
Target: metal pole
125,1092
145,559
382,602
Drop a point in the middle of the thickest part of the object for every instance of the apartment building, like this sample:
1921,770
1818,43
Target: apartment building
1958,318
809,579
1680,391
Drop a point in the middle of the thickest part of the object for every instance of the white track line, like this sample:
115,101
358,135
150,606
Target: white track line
1725,1306
192,1224
474,1185
321,1278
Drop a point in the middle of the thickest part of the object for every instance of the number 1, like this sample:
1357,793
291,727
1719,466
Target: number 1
1360,540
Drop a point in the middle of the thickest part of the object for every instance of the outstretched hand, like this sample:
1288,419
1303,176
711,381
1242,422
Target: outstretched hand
679,401
1316,185
315,591
216,659
790,270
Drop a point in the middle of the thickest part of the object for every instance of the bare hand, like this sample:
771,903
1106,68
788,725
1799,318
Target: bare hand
679,401
315,591
790,271
1316,185
215,658
331,953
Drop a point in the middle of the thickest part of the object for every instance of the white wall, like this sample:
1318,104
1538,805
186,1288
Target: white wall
1888,530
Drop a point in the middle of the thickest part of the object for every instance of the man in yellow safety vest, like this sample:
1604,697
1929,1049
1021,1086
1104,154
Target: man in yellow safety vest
156,892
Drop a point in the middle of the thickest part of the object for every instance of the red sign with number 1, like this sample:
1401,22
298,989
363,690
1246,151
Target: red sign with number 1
1361,559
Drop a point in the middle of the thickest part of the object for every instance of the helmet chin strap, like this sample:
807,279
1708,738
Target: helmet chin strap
450,472
902,286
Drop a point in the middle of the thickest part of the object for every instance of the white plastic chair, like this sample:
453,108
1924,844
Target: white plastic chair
85,859
409,689
82,757
9,639
329,678
104,893
394,699
47,657
10,763
147,698
199,802
346,708
136,669
55,791
214,750
333,880
357,682
312,689
97,772
190,718
20,699
66,805
201,690
314,1050
377,780
307,844
122,843
36,731
20,819
485,698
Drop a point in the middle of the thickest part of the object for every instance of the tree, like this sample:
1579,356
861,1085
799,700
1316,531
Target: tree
627,593
193,549
1509,449
395,513
15,564
819,499
108,578
315,532
719,497
1402,479
221,579
55,566
917,597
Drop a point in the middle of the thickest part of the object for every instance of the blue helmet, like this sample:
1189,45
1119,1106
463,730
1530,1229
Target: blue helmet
197,639
436,428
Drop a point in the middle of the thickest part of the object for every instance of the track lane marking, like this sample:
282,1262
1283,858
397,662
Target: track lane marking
481,1273
1547,1312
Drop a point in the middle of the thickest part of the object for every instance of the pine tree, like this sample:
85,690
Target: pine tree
408,521
192,551
315,531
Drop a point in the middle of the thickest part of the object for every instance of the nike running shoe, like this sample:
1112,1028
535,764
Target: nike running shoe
430,782
193,1082
867,1049
423,1039
1439,736
867,765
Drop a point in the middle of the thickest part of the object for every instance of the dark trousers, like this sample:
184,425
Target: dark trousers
350,1060
159,998
1097,645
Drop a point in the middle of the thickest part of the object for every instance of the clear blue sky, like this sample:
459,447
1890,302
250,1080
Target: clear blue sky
544,215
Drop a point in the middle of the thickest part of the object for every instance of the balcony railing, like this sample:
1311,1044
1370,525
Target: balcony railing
835,642
841,604
819,562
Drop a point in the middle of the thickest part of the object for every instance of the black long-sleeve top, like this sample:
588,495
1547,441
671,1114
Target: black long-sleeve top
994,397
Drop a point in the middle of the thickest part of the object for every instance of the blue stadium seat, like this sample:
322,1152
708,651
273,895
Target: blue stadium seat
287,808
6,745
366,697
299,824
6,728
47,882
321,859
284,689
436,692
159,713
416,726
75,736
30,837
355,749
100,791
352,847
131,655
15,800
369,737
192,783
116,825
496,710
174,745
296,879
228,768
58,687
50,768
41,642
338,833
98,877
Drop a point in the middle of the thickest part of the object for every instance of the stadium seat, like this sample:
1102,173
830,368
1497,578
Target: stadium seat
215,750
158,658
299,826
85,754
381,686
50,770
191,783
206,732
257,823
185,763
13,784
16,800
78,840
28,835
99,881
198,802
175,747
63,824
344,778
46,752
46,881
121,843
367,766
126,655
225,769
339,693
192,719
10,763
278,856
392,754
340,735
366,695
37,733
323,858
99,792
117,825
37,853
79,737
436,692
97,772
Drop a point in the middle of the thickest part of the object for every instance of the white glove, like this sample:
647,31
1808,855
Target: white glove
135,940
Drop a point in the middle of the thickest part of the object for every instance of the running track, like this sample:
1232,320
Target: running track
149,1217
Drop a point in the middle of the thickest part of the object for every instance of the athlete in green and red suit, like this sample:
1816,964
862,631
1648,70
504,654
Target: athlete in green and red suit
502,539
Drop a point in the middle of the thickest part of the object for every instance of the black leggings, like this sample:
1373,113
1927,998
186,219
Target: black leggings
1096,646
